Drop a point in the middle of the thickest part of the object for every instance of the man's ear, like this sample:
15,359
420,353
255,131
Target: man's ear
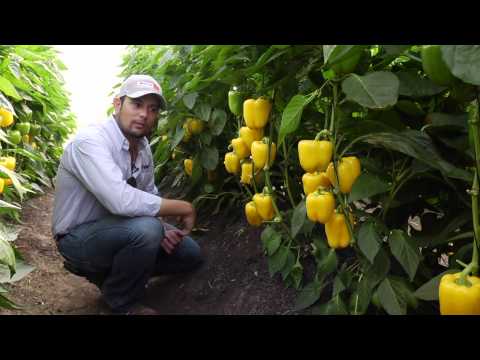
117,104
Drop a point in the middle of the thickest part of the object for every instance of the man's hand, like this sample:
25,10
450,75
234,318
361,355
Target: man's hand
181,209
171,239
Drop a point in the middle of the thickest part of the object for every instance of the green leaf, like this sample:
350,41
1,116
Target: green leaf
379,270
309,295
298,218
335,306
328,264
7,256
395,49
277,261
209,158
206,138
22,270
429,290
367,185
368,240
8,89
271,240
375,90
463,61
458,122
342,282
5,103
406,251
333,54
389,300
289,267
218,121
8,304
360,298
296,272
413,86
203,111
404,291
291,116
418,145
190,99
273,244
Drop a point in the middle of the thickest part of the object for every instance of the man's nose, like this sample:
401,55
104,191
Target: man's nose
143,111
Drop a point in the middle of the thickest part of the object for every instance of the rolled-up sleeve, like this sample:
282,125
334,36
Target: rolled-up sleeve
95,168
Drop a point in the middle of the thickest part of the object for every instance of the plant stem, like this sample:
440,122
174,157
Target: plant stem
285,174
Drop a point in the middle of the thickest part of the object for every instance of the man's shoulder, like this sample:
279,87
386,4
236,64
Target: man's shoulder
97,133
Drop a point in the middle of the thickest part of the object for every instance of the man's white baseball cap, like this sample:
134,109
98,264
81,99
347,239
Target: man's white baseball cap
139,85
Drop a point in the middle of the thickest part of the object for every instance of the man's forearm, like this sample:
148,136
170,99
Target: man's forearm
170,207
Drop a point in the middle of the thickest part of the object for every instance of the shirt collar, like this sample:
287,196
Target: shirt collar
120,140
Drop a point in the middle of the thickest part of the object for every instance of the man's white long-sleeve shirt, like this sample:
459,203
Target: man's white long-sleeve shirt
91,181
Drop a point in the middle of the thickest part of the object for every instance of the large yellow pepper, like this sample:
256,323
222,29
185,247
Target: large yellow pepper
264,205
312,181
260,154
188,165
336,229
240,148
315,154
252,215
195,126
256,112
187,135
348,170
457,299
355,164
250,135
9,162
320,206
6,117
232,163
8,181
247,173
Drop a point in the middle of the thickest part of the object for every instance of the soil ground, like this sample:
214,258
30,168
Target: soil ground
233,280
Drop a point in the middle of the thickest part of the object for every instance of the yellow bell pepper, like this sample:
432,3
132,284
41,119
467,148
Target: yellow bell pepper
240,148
315,154
260,153
250,135
247,173
188,165
8,182
252,215
232,163
2,185
9,162
457,299
264,205
6,117
195,126
348,171
336,229
320,206
256,112
355,164
312,181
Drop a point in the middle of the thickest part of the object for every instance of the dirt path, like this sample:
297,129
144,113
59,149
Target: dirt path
234,279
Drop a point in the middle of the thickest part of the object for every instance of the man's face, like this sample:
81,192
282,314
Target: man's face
137,117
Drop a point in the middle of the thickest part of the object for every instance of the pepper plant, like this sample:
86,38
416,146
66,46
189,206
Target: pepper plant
354,158
34,123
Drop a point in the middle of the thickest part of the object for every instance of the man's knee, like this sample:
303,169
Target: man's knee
190,252
147,231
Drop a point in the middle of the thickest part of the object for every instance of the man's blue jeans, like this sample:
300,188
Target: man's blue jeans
122,253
